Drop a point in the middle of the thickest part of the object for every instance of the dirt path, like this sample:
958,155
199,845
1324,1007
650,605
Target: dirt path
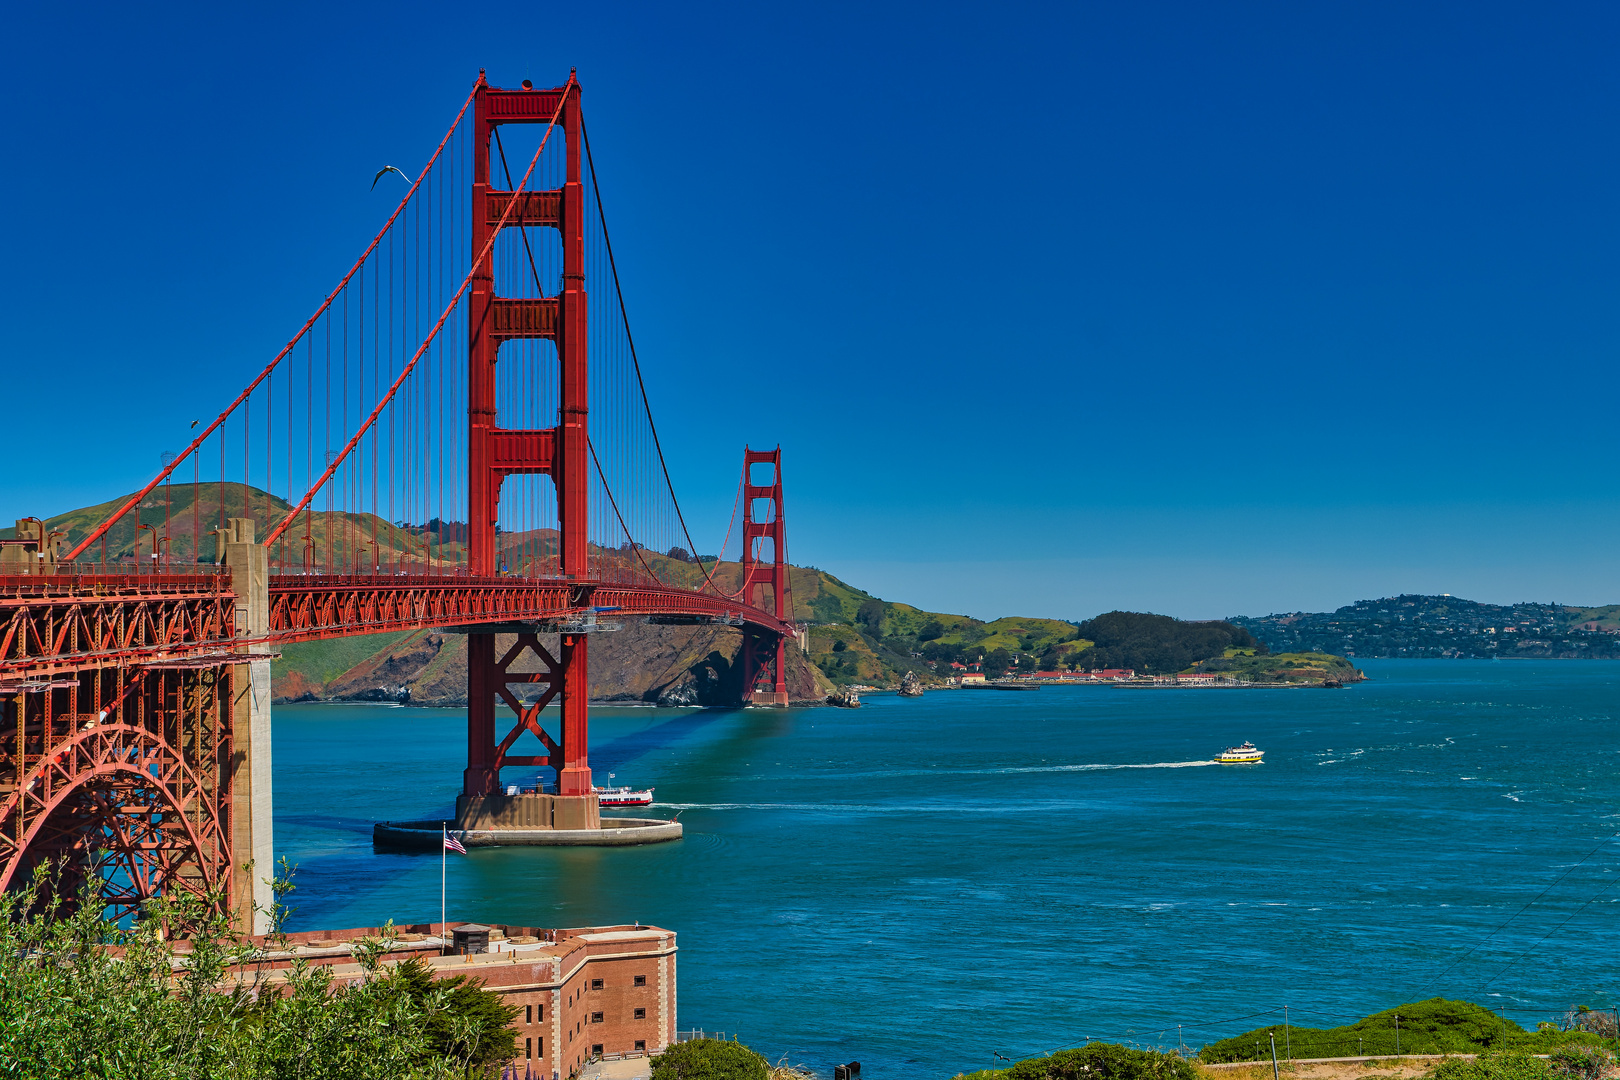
1354,1068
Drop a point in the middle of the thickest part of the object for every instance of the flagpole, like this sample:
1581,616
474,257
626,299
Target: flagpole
444,858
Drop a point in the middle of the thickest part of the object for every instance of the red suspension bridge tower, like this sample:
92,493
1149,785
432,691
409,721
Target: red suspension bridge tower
562,451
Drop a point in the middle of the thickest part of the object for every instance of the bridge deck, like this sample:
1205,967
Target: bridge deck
66,623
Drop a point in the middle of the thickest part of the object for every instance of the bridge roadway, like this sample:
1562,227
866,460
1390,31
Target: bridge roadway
59,625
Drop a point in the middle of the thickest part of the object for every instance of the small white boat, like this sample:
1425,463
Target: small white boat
1241,755
623,796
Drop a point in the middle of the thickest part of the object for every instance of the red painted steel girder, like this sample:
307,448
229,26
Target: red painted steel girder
62,625
71,623
307,608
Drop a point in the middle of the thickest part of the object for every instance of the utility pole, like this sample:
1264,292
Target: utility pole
1275,1075
1397,1034
1288,1038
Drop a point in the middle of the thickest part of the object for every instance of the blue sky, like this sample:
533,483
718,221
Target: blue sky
1202,309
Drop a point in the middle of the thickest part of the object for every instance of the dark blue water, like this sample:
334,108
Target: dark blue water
919,884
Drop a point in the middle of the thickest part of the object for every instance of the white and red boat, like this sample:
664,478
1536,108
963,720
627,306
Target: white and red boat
623,796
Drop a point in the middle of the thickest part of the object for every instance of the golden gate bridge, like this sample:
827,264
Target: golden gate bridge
459,437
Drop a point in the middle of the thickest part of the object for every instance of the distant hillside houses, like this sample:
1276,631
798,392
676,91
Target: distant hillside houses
1416,626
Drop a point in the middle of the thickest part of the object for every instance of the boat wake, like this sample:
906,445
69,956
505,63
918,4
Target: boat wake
944,806
1098,767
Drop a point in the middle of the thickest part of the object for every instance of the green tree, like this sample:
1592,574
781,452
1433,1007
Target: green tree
870,615
468,1024
1157,644
996,663
827,608
709,1059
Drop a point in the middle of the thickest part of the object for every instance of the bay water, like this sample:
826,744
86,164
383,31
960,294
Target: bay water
925,884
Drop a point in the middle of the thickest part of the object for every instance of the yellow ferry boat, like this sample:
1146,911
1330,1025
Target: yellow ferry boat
1241,755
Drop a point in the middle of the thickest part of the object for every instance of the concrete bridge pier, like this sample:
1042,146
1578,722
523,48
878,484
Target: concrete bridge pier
252,831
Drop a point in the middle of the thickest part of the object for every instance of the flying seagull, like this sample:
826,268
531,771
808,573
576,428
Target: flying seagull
387,169
194,423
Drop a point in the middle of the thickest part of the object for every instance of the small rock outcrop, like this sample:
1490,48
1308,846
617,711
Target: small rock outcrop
683,695
910,685
844,699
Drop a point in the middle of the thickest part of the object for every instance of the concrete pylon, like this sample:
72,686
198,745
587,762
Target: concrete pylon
252,833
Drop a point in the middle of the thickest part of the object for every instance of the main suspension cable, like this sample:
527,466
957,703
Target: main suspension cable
635,361
135,500
454,300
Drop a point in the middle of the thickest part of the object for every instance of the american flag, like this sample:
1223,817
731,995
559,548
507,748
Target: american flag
452,844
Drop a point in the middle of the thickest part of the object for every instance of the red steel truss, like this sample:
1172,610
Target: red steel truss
60,626
71,623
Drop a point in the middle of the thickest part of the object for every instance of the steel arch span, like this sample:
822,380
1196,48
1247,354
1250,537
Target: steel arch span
135,802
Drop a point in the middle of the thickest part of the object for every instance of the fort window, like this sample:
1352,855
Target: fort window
641,1044
596,984
528,1014
596,1018
641,1014
528,1048
596,1049
641,980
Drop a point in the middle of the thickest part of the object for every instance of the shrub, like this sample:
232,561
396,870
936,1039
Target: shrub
1104,1061
82,997
1582,1062
709,1059
1435,1026
1508,1065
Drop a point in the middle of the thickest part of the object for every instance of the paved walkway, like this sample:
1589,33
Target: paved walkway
633,1069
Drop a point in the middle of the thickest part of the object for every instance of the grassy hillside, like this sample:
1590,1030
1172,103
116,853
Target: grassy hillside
1301,667
310,666
1607,617
860,638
